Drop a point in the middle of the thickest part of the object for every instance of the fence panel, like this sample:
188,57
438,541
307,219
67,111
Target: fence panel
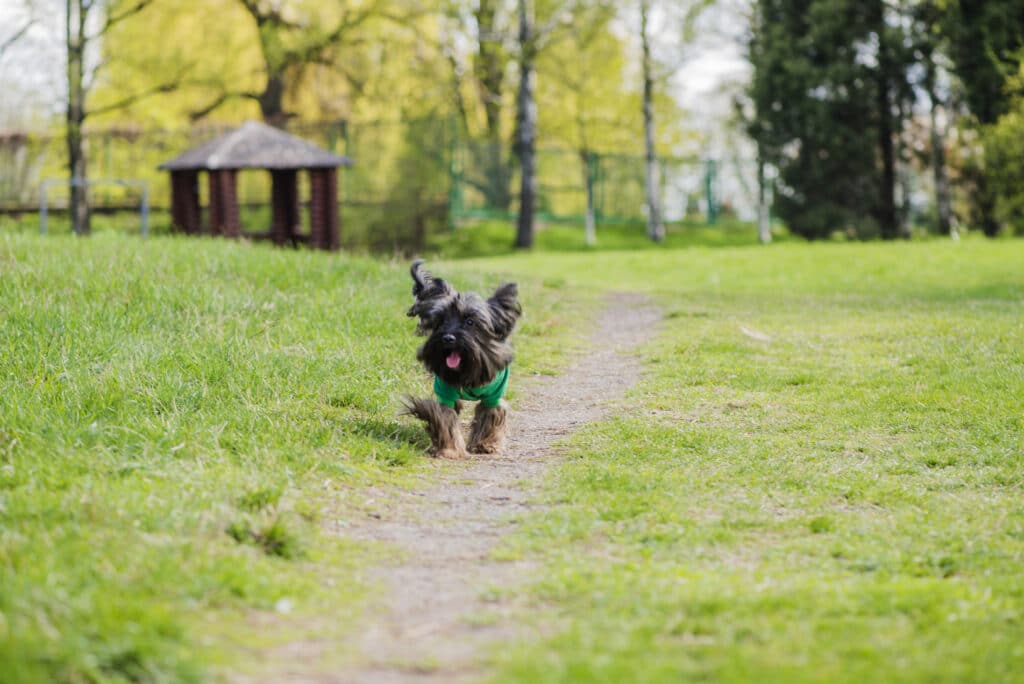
408,177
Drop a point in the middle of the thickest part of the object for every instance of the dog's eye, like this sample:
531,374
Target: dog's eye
470,322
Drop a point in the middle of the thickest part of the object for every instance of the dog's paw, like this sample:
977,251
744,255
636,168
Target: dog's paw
449,454
484,448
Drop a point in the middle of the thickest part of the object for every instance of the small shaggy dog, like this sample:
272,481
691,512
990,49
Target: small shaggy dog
467,350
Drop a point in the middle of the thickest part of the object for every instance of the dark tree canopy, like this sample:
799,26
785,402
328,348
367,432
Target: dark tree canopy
828,76
985,41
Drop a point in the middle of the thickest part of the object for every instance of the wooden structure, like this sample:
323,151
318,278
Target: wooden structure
258,146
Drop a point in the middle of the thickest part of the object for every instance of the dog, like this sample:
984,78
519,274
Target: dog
468,353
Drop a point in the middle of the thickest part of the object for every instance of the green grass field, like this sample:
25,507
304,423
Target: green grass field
817,479
179,421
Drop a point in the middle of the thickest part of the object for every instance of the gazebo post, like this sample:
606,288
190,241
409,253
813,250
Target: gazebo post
224,203
333,211
216,218
229,203
284,199
323,209
185,201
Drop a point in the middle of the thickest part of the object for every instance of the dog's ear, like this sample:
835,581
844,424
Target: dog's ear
432,296
505,309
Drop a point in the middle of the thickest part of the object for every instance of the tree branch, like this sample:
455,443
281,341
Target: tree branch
16,36
165,87
132,99
197,114
117,18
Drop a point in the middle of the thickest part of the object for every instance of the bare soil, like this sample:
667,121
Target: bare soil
444,601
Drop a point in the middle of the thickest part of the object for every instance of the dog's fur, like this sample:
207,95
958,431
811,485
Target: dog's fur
478,331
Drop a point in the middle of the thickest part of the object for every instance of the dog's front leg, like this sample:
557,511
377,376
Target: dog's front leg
442,424
487,435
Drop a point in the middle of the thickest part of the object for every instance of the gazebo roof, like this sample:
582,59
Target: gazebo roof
255,145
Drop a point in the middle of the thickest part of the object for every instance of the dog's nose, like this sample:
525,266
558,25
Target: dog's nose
448,339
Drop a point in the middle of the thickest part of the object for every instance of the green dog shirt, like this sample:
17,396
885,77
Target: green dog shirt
490,394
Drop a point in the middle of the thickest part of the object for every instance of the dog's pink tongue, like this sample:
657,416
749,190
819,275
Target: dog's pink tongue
453,360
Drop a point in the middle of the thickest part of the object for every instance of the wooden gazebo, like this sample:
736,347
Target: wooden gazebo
257,146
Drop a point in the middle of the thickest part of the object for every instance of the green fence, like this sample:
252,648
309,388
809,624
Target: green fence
485,186
408,178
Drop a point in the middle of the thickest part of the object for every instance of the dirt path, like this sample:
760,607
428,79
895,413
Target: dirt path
438,616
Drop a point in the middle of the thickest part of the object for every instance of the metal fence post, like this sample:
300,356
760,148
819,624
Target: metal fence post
44,213
43,210
145,210
454,180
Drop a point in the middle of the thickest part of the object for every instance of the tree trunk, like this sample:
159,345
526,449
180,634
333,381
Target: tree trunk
490,74
904,181
526,128
272,100
764,222
655,227
887,220
590,222
78,207
985,200
943,204
887,189
488,68
274,53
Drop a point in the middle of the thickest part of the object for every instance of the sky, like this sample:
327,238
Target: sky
31,70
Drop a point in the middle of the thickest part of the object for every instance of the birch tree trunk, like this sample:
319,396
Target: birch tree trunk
526,128
655,227
590,222
75,17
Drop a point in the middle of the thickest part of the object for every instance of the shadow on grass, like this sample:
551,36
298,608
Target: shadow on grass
391,432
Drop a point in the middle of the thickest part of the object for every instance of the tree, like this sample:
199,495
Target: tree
526,126
278,60
829,86
77,15
532,39
79,19
655,226
677,20
1004,157
984,40
586,101
291,41
930,48
488,71
18,29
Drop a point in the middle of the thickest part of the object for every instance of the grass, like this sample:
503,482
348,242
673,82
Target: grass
495,238
181,422
817,479
837,502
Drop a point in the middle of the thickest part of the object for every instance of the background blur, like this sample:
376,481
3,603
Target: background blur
850,120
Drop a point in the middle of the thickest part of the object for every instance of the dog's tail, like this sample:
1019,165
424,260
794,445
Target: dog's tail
428,410
429,291
420,278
